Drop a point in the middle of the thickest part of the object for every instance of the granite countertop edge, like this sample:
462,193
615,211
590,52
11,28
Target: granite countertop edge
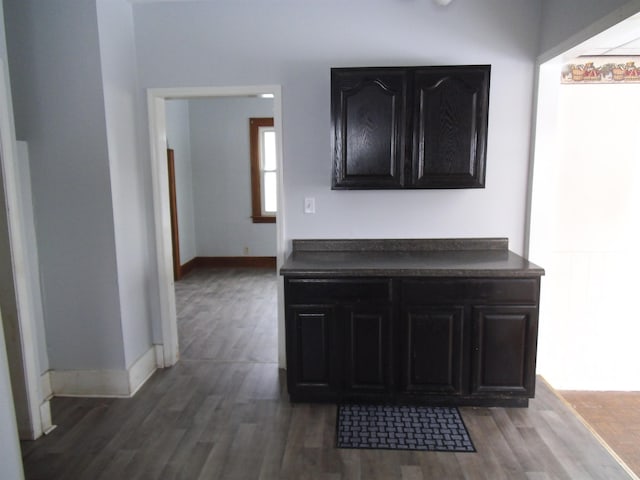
467,258
390,272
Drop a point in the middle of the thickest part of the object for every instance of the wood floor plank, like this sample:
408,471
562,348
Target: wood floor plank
223,412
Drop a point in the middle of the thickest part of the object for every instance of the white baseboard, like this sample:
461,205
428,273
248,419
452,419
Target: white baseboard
104,383
141,370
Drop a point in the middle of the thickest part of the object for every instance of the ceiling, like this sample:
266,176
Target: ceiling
622,39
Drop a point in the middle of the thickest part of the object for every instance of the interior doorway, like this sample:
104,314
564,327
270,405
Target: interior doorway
585,218
158,135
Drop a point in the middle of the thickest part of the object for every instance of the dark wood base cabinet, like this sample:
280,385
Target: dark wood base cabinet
440,341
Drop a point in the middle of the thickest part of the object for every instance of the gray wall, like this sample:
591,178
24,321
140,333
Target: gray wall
179,139
562,19
59,104
127,173
299,54
211,142
222,177
85,180
77,106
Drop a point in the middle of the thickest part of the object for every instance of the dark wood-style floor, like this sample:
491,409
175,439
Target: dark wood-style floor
222,413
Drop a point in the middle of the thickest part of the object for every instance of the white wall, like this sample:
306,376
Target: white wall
9,305
588,229
11,464
222,177
213,44
179,139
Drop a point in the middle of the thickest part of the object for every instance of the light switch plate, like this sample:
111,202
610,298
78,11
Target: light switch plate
309,205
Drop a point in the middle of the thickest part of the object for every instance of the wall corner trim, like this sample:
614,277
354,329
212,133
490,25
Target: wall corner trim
104,383
45,417
45,384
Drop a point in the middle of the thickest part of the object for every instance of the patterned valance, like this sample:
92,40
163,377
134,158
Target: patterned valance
603,69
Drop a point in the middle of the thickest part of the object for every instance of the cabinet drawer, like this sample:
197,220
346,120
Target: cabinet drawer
480,290
302,291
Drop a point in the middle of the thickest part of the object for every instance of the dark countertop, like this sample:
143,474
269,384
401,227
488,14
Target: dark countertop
407,258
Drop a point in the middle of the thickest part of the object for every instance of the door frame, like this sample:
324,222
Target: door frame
173,209
37,416
156,98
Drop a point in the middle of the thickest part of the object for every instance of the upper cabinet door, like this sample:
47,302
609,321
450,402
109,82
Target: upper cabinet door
369,122
451,108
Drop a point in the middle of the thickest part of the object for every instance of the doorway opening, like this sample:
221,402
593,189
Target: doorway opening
584,224
157,101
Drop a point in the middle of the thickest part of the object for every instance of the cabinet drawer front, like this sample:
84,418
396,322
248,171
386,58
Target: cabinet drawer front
302,291
480,290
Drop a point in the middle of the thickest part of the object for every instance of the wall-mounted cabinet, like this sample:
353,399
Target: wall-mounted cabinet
409,127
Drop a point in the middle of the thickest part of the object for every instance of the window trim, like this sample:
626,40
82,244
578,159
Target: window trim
255,123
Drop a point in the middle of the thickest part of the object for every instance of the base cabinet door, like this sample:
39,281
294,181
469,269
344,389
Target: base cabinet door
504,350
432,350
314,360
368,362
434,340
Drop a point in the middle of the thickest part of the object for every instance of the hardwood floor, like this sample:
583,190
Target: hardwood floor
223,413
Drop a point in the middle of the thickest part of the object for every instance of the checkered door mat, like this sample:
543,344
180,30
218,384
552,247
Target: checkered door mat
438,429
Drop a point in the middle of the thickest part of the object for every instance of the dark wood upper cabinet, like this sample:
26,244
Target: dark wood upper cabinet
409,127
450,135
369,111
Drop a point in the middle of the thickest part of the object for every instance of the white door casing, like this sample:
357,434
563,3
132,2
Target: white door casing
156,98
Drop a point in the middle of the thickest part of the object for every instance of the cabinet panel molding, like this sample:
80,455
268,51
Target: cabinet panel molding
433,349
451,127
369,124
313,354
368,360
504,346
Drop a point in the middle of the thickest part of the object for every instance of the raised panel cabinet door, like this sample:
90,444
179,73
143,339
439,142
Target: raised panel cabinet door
450,126
433,349
368,116
312,346
368,339
504,350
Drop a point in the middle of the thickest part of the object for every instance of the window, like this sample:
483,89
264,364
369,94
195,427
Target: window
262,137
